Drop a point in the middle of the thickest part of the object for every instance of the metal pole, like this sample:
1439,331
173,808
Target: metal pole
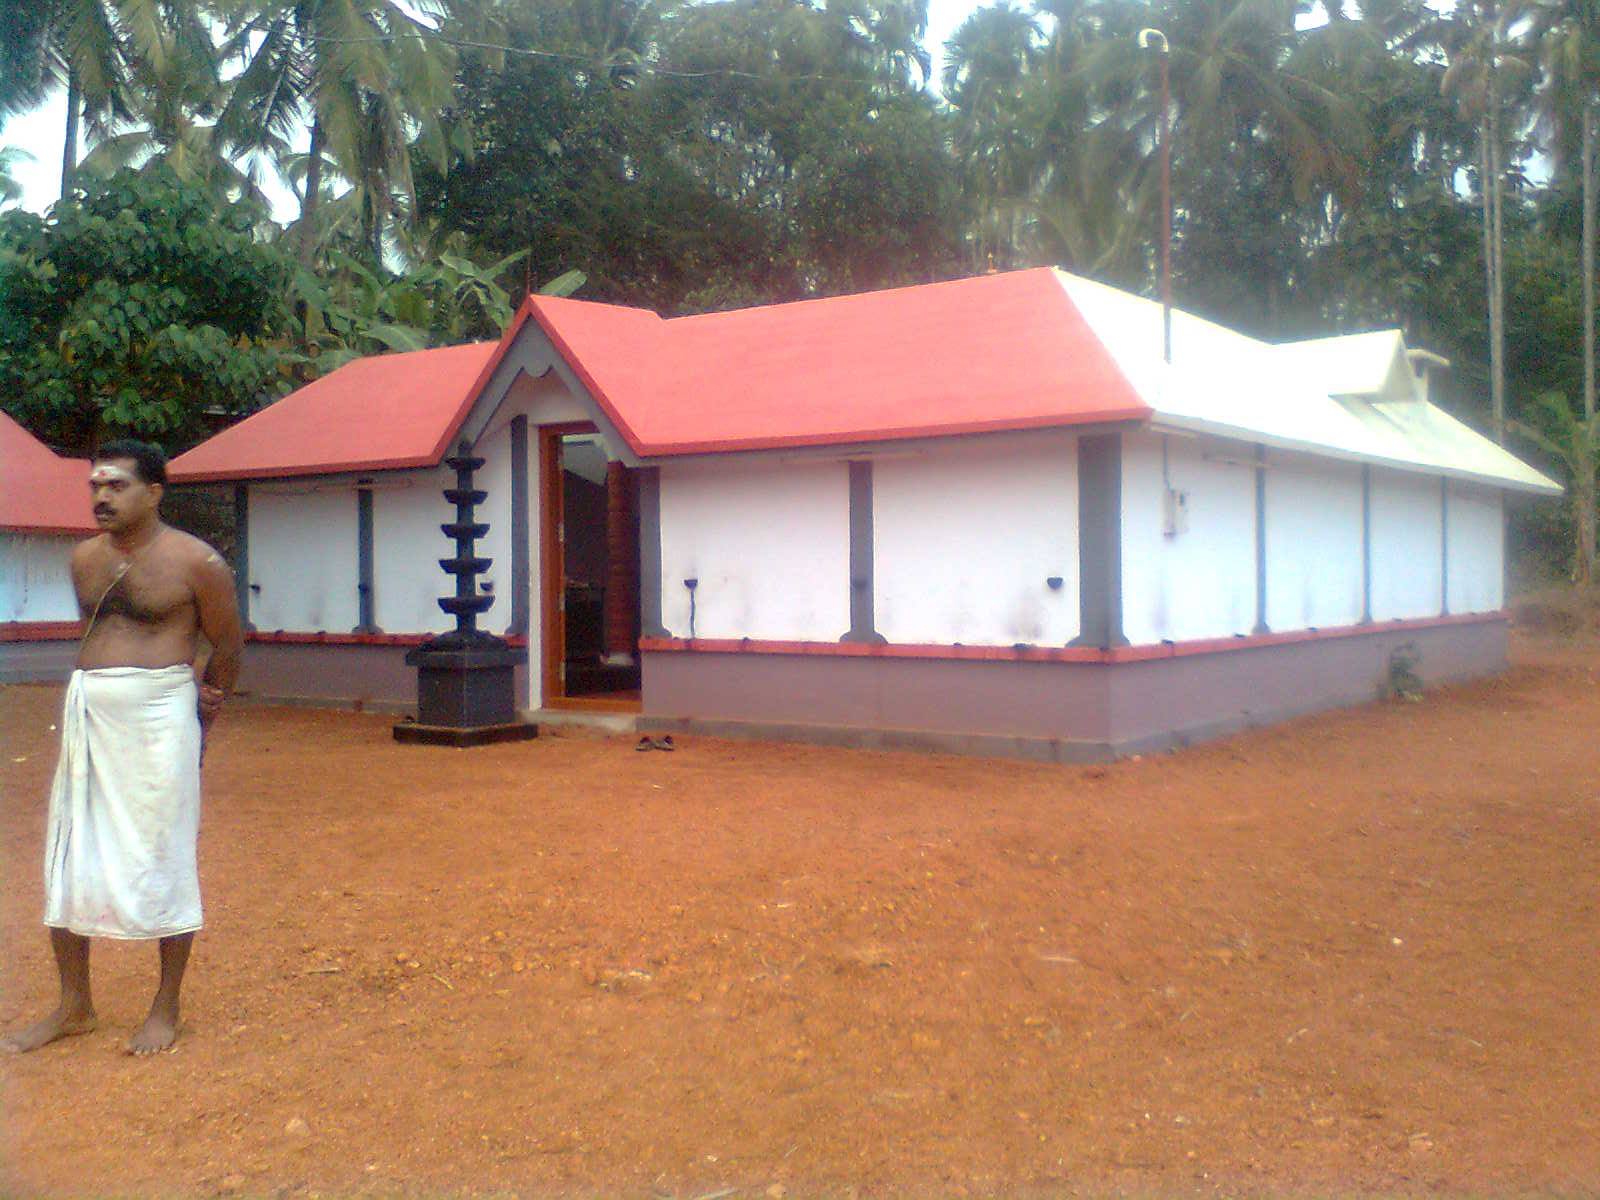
1147,37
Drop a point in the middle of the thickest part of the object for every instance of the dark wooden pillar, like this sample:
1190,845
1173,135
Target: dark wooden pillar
366,565
622,577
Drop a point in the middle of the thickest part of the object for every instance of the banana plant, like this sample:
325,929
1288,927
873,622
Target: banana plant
1574,443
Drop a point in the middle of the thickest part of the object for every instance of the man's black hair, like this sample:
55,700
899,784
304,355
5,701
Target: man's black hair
150,464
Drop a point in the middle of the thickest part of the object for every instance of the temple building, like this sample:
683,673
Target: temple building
982,515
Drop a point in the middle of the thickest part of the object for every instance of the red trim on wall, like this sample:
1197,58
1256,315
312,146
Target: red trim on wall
67,631
64,530
40,631
287,637
1066,654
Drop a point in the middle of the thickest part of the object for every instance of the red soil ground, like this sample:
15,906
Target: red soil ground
1352,955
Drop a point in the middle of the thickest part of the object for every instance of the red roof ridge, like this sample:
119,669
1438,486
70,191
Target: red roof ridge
887,294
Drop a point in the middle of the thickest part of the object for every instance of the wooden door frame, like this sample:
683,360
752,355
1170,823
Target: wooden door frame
552,578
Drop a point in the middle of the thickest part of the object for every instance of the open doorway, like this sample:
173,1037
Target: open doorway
590,568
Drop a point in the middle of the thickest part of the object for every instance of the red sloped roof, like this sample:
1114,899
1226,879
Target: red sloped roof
41,492
373,414
991,353
974,355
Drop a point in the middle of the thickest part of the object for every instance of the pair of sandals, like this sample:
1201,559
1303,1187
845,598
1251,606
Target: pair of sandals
660,743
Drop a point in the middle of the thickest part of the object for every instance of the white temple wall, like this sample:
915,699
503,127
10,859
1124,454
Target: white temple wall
36,577
407,510
768,543
304,557
1200,582
966,538
1406,550
1476,537
1313,511
493,477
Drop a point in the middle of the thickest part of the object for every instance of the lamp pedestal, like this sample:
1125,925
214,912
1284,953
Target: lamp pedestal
466,690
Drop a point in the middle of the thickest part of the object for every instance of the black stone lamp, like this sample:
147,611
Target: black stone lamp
466,689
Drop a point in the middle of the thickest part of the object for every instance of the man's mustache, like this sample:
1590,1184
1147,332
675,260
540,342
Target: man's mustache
102,510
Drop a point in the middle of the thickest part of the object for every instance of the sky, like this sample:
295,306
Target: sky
40,132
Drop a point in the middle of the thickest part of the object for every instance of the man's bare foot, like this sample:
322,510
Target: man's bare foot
63,1023
159,1032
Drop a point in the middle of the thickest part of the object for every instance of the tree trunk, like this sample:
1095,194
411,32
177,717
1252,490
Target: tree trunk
1491,270
375,231
308,206
1584,484
1488,255
1588,259
69,156
1497,325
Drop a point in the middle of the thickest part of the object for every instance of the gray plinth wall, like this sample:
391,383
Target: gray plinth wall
1060,711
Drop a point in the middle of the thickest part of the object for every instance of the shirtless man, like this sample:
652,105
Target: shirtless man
124,808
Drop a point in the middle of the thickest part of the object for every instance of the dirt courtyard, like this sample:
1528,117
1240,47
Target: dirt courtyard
1353,955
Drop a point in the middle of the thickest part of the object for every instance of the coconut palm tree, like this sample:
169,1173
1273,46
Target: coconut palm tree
1568,33
990,63
1489,73
172,113
90,46
368,77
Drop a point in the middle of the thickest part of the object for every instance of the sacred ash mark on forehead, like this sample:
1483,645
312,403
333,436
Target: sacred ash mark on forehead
111,473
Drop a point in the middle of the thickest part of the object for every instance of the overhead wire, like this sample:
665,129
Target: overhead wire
639,65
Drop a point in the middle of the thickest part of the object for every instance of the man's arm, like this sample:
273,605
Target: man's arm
218,609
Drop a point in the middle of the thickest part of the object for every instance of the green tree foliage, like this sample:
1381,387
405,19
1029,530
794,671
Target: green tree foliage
11,157
350,310
741,152
143,307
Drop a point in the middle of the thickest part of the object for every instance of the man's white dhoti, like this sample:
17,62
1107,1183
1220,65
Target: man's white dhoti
125,806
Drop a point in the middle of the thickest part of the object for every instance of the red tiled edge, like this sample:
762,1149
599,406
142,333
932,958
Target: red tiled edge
1076,654
40,631
284,637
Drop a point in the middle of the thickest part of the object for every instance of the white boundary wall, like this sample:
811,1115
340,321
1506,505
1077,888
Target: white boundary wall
1313,543
769,544
965,538
1406,566
1200,583
302,546
1477,549
36,577
407,510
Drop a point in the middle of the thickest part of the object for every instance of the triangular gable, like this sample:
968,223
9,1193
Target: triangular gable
526,350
